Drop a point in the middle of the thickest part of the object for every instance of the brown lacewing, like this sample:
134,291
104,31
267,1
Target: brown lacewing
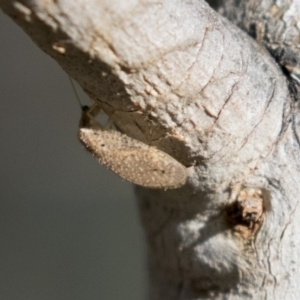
131,159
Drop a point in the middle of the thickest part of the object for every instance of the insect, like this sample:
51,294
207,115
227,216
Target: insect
131,159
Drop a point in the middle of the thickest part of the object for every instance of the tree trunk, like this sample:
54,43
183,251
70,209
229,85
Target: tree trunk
179,77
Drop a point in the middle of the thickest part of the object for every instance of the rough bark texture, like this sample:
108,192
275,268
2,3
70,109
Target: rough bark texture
178,76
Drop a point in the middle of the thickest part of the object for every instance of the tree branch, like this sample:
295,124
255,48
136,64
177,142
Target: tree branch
177,76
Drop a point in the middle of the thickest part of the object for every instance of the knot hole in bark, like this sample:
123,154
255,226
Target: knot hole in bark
246,213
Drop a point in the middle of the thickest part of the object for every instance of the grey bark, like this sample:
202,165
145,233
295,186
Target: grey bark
178,76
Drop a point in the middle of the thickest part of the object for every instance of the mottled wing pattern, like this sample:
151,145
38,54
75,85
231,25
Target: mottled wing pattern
133,160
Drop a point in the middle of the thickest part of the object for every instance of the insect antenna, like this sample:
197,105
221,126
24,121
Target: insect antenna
82,107
89,113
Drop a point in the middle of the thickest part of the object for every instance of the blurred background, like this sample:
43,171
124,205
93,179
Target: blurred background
69,228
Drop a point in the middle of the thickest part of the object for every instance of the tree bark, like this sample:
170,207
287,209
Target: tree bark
178,76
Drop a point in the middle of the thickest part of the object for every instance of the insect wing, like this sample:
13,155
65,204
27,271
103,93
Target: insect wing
133,160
